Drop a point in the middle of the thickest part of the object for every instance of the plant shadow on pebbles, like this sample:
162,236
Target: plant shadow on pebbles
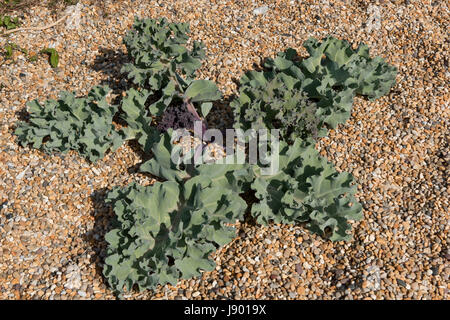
221,116
22,115
95,238
110,62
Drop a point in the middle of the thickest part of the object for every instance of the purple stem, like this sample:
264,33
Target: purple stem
190,107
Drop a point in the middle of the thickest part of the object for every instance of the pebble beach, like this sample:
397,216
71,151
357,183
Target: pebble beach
53,217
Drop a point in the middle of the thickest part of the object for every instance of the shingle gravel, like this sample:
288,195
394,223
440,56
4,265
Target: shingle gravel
52,214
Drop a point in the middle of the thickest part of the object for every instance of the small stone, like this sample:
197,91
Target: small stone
274,285
401,283
301,291
261,10
22,174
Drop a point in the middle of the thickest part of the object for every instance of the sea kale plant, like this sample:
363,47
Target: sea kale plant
168,230
163,69
303,97
306,188
180,109
72,123
159,53
269,100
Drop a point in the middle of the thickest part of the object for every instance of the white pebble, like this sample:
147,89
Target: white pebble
261,10
22,174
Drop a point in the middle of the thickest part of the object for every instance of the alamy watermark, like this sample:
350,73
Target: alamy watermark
263,147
